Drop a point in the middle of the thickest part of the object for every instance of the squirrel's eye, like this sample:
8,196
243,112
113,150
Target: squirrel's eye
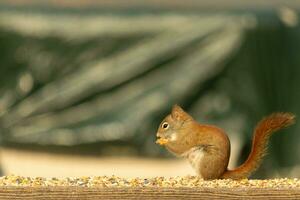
165,125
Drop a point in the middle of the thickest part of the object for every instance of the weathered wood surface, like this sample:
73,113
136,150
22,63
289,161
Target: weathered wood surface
72,192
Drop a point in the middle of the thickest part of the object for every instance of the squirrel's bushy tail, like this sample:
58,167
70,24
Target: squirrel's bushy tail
262,133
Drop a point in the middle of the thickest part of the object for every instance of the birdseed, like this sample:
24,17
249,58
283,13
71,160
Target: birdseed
114,181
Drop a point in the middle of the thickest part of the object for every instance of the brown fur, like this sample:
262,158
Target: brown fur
262,133
188,138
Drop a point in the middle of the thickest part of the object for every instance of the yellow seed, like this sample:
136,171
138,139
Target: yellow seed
162,141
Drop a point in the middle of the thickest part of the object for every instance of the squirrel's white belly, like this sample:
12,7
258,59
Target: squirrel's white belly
195,156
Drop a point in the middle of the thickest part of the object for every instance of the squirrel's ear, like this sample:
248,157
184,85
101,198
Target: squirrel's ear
179,114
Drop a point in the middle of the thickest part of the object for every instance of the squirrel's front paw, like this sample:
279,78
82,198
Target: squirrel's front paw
162,141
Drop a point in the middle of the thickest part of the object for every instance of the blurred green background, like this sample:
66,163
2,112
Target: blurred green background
97,77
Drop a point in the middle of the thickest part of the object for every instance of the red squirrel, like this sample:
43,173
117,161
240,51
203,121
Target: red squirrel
207,147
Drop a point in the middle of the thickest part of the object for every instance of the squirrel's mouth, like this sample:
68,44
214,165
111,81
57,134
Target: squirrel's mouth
161,141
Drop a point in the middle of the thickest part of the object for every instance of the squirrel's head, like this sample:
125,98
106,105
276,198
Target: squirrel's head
171,128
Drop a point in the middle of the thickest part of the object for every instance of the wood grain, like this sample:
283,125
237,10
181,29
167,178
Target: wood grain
61,192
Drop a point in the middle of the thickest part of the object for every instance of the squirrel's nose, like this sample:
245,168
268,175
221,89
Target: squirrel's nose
158,134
